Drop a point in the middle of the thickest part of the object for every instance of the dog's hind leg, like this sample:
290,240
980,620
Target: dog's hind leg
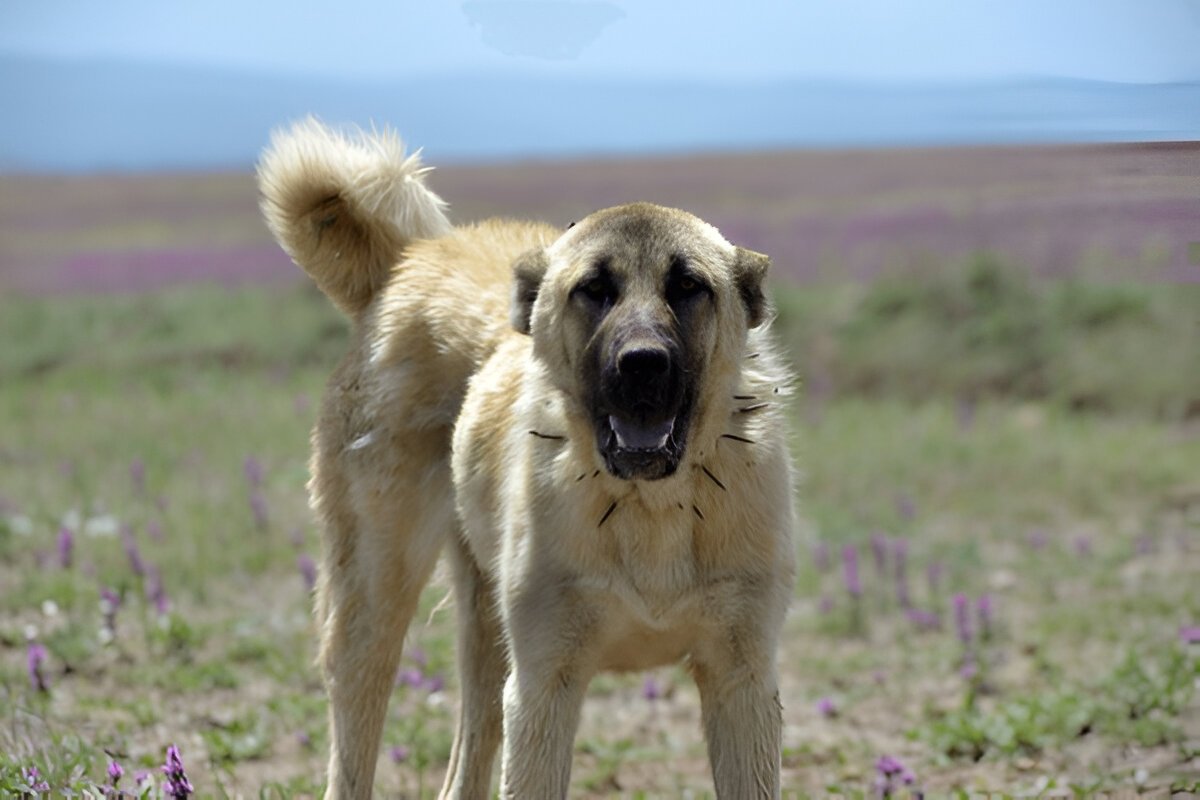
384,525
483,668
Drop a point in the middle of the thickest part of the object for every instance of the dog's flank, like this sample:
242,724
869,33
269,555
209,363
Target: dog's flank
344,206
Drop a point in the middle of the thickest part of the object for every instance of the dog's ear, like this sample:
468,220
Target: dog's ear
749,270
528,271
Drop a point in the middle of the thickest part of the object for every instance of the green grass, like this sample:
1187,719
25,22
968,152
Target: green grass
985,330
1067,492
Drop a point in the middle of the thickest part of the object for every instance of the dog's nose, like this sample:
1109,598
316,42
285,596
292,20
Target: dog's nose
644,363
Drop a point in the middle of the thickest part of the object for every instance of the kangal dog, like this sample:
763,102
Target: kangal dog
590,419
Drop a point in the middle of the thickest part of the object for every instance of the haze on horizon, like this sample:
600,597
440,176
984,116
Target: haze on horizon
858,40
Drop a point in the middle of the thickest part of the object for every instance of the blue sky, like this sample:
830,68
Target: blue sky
874,40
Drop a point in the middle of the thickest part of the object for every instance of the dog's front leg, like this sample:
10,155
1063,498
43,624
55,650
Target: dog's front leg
743,719
544,694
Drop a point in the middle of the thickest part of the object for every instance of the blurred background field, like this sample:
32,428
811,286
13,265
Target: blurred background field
997,402
984,226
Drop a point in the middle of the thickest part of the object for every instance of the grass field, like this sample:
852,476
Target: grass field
1000,503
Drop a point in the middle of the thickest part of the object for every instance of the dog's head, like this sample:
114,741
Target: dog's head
632,309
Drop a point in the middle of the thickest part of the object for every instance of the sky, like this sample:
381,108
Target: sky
709,40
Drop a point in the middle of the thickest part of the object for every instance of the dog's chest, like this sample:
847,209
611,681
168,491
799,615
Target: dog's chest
646,571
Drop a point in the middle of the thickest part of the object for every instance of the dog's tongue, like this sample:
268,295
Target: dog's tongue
641,437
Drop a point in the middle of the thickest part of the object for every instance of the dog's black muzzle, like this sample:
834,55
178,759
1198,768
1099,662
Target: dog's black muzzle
641,426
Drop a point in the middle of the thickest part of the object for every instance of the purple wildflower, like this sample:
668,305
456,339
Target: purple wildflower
303,739
409,677
308,571
155,530
900,561
850,570
962,618
137,475
253,470
650,689
258,507
890,775
821,556
115,773
905,507
36,663
177,784
66,547
33,780
1083,545
827,708
888,766
156,592
433,683
1190,634
879,552
825,605
132,552
141,777
1038,539
926,620
398,754
986,612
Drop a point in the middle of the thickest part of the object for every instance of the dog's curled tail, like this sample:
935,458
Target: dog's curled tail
345,206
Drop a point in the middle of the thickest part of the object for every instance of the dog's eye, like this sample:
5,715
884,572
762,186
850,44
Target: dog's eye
598,290
684,287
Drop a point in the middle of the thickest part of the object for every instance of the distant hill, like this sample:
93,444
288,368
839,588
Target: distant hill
89,116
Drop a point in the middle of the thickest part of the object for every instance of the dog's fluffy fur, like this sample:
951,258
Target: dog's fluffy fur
506,392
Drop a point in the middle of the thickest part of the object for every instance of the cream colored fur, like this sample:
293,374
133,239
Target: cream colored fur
561,570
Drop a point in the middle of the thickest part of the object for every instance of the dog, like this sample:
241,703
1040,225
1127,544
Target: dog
590,421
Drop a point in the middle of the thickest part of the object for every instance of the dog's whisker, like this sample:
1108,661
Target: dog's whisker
713,478
611,508
737,438
698,513
550,436
751,409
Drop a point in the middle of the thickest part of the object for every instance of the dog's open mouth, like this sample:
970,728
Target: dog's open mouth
632,436
636,450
